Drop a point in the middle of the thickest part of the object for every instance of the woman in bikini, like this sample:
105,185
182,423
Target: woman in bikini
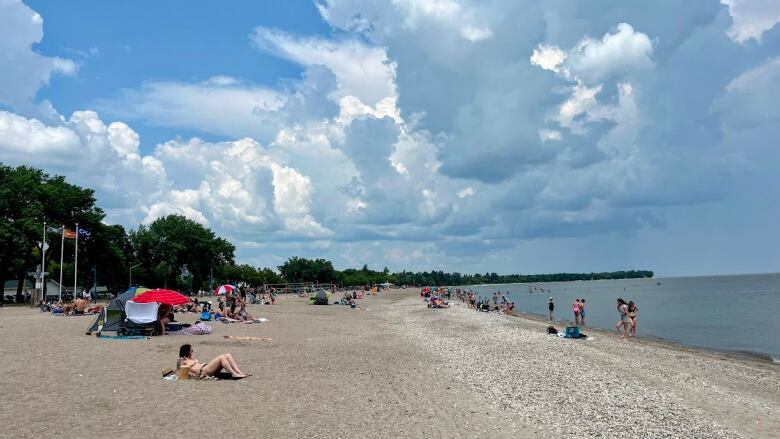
210,369
632,310
575,307
624,322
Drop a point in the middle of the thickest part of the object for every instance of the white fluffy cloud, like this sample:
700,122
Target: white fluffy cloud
362,71
23,71
449,13
592,61
751,18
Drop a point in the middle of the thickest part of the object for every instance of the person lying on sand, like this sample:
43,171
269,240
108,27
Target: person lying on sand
210,369
438,303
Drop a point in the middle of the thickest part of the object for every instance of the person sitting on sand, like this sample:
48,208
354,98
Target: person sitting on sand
244,315
57,308
164,316
232,313
193,305
210,369
79,306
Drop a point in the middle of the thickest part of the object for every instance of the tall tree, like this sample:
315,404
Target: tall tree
169,243
28,197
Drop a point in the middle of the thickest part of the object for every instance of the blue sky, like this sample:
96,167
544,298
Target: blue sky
506,136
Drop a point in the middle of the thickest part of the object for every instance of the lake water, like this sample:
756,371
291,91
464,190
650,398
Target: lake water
735,313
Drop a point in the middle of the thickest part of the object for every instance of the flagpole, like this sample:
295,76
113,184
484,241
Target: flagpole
62,256
43,262
76,265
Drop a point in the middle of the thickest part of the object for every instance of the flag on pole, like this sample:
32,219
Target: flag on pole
84,233
69,234
51,229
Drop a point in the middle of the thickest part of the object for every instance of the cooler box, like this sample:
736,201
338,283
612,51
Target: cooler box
572,332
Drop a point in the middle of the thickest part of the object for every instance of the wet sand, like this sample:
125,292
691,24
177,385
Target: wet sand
397,369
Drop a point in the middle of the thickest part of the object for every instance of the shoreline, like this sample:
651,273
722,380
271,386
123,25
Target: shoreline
667,390
761,357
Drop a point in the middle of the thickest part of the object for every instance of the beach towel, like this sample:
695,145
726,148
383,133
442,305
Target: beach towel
124,337
219,376
196,329
240,337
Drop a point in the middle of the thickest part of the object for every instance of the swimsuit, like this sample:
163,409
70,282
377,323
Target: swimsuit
623,315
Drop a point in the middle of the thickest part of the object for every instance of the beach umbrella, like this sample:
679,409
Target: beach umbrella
159,295
224,289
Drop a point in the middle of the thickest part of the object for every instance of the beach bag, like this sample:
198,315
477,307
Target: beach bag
572,332
552,330
205,315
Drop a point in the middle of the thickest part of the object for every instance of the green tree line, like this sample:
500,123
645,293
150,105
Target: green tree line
171,252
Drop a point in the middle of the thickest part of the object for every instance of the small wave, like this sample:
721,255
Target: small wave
775,359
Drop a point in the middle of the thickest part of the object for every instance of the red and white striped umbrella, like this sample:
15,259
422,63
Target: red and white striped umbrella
224,289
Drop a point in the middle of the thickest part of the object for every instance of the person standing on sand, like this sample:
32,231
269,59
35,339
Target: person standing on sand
624,322
582,312
575,307
632,310
551,307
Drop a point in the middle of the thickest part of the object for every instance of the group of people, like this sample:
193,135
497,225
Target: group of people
78,307
233,310
499,301
350,298
436,297
626,326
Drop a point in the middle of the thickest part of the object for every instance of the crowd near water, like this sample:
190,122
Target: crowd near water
730,313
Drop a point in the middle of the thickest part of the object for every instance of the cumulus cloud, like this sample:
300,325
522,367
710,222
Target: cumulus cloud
79,148
592,61
446,132
751,18
23,71
361,70
448,13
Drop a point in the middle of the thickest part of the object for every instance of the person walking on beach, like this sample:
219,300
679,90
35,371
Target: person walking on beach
575,307
582,312
632,310
551,307
624,322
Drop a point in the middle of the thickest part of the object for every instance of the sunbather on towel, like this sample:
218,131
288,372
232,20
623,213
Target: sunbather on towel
243,315
210,369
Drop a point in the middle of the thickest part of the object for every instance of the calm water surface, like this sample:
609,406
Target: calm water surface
736,313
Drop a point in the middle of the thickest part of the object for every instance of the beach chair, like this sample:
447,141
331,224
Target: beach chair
140,318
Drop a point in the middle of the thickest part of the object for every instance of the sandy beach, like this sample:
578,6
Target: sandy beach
395,369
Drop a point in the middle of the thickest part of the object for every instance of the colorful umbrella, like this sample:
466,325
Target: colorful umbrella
224,289
161,296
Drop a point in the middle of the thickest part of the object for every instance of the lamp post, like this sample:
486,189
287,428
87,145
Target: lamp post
131,275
